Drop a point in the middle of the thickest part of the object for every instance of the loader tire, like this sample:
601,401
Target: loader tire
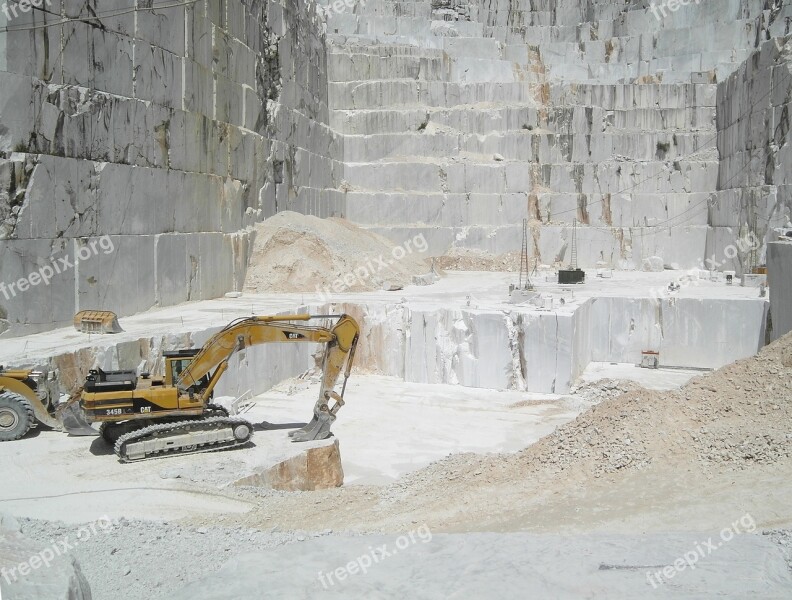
16,417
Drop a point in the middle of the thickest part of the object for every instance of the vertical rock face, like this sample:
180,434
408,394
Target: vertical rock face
546,351
463,117
779,263
516,349
755,173
169,130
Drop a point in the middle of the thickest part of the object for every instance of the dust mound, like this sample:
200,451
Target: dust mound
300,253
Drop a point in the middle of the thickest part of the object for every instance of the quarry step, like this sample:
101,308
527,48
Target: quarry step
411,93
358,67
595,244
390,93
363,66
368,25
438,209
424,42
478,70
624,96
419,9
530,146
346,23
386,9
490,119
511,176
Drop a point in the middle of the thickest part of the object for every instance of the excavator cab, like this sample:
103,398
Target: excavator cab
176,362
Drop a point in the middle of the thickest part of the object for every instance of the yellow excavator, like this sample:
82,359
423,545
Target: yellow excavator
144,417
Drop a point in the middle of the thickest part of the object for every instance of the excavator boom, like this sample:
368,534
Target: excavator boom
340,342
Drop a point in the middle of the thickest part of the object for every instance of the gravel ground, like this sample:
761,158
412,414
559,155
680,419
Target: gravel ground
692,459
137,560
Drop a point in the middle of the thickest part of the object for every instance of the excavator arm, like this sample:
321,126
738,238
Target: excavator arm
340,343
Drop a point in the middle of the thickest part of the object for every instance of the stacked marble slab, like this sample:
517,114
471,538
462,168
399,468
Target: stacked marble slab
462,118
170,130
547,351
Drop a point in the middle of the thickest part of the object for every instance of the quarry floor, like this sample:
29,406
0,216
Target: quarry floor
184,508
392,428
579,538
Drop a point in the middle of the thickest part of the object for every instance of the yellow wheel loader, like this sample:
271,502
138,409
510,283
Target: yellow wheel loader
29,398
146,416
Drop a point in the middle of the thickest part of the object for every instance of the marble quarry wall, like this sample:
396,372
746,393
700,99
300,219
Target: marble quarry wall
463,117
546,351
779,263
168,130
755,172
523,350
172,130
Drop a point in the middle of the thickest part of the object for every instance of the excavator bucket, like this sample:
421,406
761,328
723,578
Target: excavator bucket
317,429
97,321
73,419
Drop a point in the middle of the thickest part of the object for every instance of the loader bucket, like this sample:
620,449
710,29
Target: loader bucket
73,419
97,321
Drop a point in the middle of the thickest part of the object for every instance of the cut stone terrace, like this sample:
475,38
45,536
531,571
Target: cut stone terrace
460,121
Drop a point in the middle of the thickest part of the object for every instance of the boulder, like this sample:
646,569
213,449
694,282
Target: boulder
315,469
29,571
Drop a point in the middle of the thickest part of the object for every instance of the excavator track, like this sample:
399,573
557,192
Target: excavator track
111,432
191,436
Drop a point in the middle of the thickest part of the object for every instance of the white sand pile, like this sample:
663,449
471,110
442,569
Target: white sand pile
299,253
